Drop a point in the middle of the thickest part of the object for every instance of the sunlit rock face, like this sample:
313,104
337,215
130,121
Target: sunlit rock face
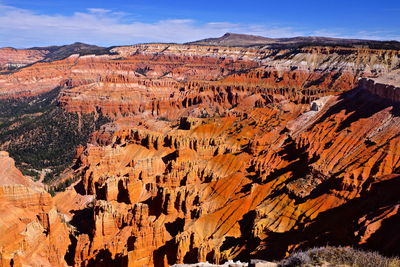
32,231
157,77
11,58
215,154
248,185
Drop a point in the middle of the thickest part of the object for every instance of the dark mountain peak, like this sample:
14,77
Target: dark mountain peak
234,39
63,51
79,43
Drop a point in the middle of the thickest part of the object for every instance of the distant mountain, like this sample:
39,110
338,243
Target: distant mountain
60,52
235,39
245,40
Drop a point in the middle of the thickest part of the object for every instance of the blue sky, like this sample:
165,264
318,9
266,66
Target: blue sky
26,23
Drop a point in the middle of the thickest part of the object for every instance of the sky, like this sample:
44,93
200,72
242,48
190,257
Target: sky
28,23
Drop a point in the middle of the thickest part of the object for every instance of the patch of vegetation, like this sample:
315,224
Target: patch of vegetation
29,172
39,134
163,119
317,81
142,71
339,256
203,115
62,186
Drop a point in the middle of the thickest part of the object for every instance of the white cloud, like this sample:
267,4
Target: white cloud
98,10
367,35
25,28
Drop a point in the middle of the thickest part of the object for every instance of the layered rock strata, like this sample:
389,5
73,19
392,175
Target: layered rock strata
32,233
239,187
164,76
217,154
386,86
11,58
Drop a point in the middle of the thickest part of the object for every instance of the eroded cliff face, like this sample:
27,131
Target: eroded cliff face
172,81
257,185
163,80
386,86
32,232
11,58
225,153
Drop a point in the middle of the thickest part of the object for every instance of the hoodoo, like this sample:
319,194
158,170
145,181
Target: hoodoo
232,148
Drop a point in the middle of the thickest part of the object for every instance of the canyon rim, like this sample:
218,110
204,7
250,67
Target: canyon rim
232,148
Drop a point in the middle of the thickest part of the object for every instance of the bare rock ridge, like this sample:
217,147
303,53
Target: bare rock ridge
212,153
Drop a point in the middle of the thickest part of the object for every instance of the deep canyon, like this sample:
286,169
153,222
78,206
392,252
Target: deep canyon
158,154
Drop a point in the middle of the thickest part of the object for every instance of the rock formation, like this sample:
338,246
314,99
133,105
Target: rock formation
11,58
225,188
32,231
387,86
215,154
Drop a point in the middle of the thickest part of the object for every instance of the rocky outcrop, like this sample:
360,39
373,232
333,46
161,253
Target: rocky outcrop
259,184
386,86
8,173
35,79
32,232
11,58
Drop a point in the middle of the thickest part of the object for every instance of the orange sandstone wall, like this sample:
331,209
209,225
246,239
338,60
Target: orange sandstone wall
258,185
213,154
16,58
32,232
